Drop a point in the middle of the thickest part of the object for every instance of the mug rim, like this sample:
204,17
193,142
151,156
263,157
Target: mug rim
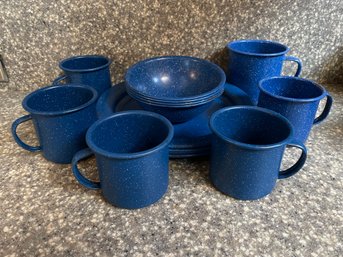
62,62
134,155
292,99
232,43
246,145
55,113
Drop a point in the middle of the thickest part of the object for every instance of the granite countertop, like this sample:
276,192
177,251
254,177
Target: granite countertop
45,212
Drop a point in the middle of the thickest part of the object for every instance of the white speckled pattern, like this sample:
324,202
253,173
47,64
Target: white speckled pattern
35,35
45,212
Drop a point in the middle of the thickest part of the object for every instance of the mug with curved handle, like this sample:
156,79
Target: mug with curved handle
326,110
90,70
14,127
247,150
59,79
83,154
131,150
60,120
298,165
250,61
297,99
297,61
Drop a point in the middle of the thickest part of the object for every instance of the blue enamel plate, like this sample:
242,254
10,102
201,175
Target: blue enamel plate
192,138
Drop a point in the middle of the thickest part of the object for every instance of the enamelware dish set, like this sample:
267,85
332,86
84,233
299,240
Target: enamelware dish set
177,107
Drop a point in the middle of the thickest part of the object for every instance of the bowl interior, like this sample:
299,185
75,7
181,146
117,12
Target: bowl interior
174,77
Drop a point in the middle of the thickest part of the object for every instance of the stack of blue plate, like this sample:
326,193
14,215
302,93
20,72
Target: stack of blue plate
191,138
186,90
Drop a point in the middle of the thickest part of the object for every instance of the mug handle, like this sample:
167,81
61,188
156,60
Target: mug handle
59,79
297,60
326,110
80,155
298,165
15,124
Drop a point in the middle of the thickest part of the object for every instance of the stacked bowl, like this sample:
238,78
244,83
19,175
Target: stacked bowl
178,87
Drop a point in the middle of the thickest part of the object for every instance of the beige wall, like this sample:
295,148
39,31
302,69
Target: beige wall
35,35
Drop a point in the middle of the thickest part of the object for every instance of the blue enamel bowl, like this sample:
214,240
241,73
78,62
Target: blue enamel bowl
177,87
175,79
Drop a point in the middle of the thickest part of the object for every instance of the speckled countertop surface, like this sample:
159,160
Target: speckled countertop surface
45,212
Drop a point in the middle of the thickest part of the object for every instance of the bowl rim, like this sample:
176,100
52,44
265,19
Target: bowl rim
177,99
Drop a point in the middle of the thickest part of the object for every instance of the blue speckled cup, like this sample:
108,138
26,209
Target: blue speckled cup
253,60
247,148
131,150
61,117
91,70
297,99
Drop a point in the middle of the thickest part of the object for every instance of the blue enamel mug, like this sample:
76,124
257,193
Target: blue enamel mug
297,99
61,117
253,60
132,155
247,147
91,70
